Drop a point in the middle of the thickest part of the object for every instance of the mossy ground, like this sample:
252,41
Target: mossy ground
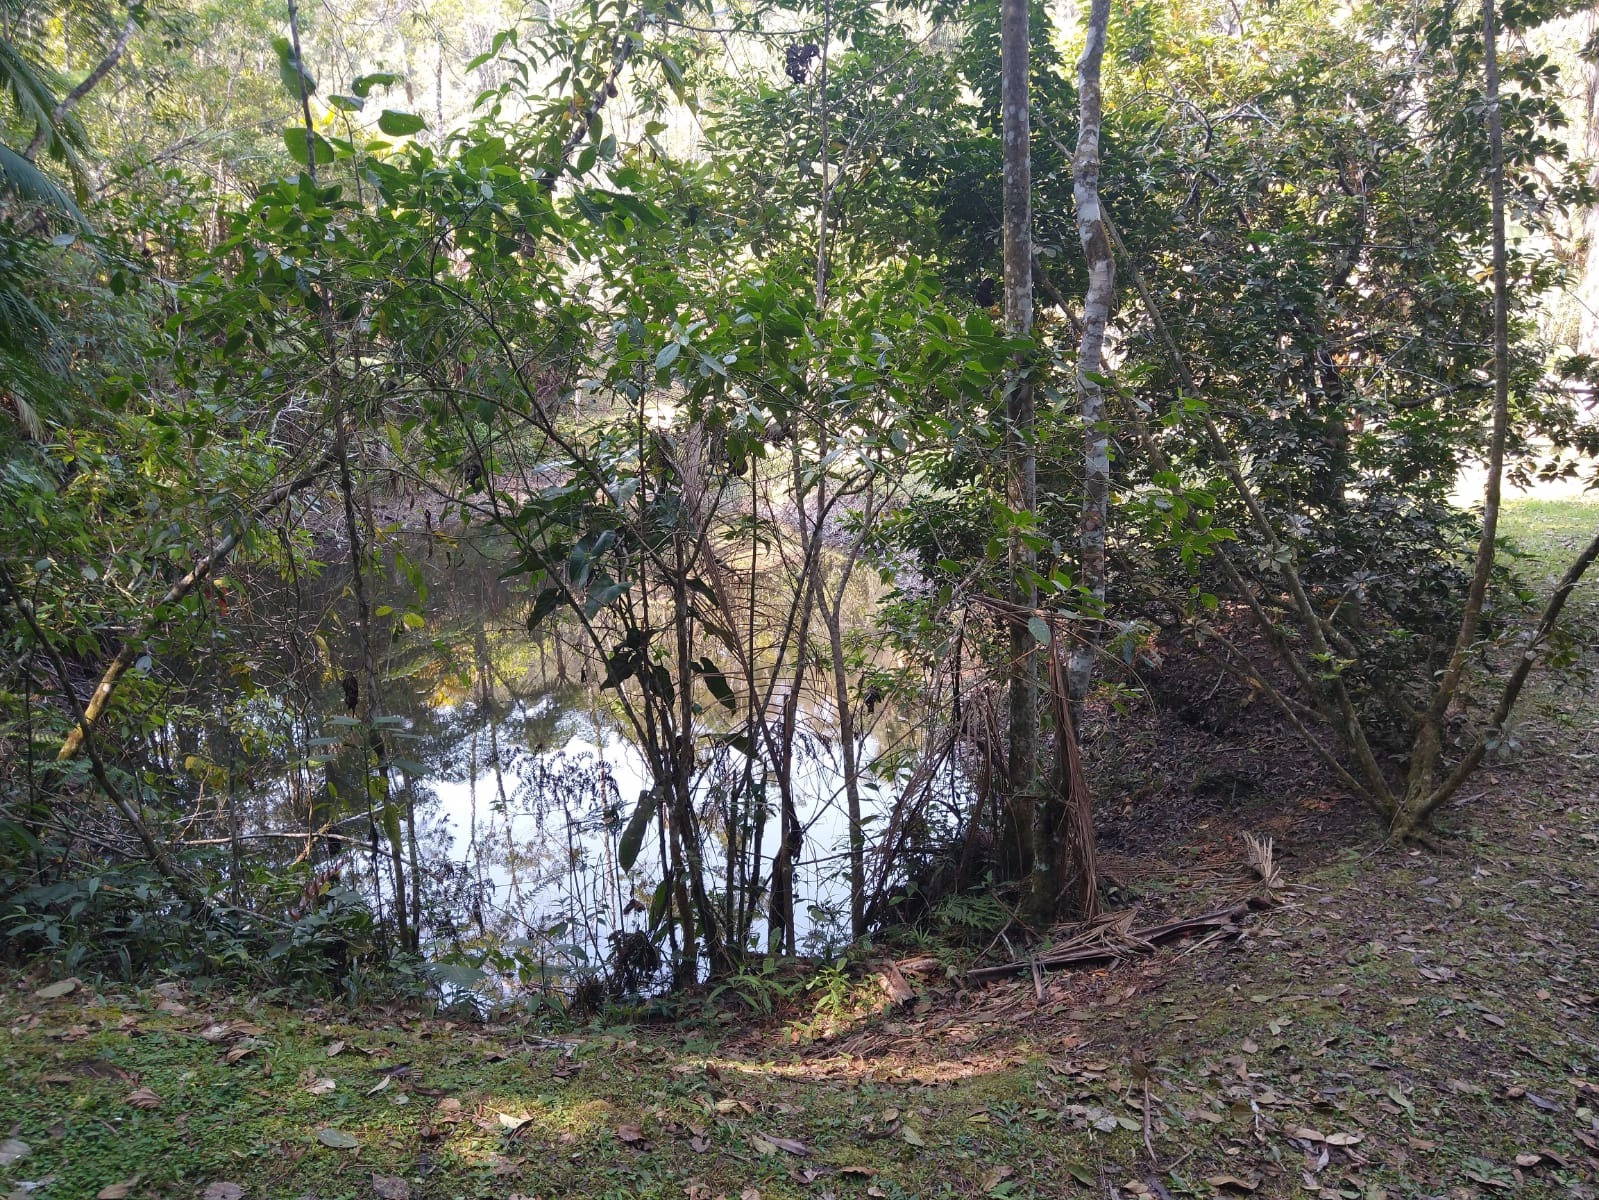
1403,1025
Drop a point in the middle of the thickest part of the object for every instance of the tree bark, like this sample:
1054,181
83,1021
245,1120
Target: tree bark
1101,261
1429,740
1021,483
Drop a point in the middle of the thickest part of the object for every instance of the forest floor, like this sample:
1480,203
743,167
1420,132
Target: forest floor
1399,1025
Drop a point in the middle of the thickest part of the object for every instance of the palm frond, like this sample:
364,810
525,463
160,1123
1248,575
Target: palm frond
27,182
35,90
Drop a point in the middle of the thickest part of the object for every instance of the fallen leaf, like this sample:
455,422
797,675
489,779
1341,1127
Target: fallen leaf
12,1149
321,1087
380,1085
222,1190
699,1145
788,1144
235,1053
1540,1103
911,1136
629,1135
117,1191
333,1050
390,1187
58,989
863,1172
1528,1160
336,1139
995,1176
1493,1020
215,1032
1231,1182
1307,1135
1345,1139
143,1098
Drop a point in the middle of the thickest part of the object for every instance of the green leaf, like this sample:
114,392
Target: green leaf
633,835
668,355
543,606
363,86
346,103
400,124
674,80
291,70
457,974
336,1139
1039,628
294,137
658,903
716,681
602,596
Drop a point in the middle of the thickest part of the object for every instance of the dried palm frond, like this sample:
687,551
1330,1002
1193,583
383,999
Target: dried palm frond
1263,861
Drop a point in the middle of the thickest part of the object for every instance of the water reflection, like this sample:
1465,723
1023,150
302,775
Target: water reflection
522,774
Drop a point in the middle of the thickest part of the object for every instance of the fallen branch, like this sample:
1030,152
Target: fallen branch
131,648
1137,940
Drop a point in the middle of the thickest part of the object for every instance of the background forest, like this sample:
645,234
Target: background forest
594,500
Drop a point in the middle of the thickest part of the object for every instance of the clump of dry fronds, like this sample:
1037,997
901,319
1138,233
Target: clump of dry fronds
1111,931
1263,862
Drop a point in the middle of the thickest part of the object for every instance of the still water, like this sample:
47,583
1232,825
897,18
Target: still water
523,774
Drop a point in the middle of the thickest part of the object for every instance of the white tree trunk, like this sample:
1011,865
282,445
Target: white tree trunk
1091,229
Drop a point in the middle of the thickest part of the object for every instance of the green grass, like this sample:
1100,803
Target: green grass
1549,533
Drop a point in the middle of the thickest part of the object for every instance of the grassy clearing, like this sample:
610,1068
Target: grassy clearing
1402,1026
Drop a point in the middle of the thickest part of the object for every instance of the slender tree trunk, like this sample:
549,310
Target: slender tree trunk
1021,482
1101,261
90,81
1588,221
1429,740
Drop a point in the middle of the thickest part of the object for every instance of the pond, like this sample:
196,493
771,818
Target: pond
520,769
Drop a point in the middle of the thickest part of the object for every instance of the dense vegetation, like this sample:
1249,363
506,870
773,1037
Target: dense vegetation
381,385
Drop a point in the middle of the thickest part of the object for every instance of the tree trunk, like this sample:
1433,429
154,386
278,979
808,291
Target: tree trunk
1021,482
1101,261
1429,741
1587,289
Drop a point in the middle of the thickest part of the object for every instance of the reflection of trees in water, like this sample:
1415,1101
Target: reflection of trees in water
517,829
